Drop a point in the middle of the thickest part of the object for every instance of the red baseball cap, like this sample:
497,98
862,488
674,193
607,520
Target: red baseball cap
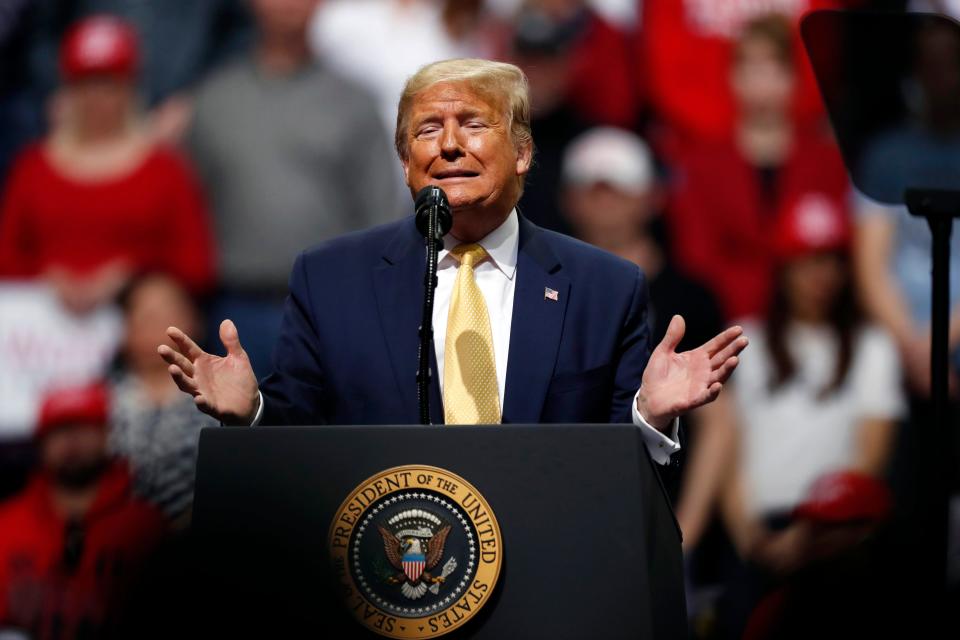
86,404
812,223
846,496
99,45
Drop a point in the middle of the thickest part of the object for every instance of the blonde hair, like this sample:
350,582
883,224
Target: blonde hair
502,83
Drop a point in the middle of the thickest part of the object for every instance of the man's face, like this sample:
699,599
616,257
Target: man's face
937,68
549,77
74,455
762,83
101,103
283,18
601,210
156,303
459,141
813,283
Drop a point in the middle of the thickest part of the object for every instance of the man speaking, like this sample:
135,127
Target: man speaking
531,326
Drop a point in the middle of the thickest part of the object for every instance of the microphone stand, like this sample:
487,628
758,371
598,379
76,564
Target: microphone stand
424,373
939,207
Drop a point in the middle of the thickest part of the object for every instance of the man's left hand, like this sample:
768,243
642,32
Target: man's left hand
674,383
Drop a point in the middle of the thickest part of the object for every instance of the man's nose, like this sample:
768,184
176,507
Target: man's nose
450,143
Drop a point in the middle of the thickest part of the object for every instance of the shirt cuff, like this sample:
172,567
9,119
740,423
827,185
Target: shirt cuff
259,416
660,446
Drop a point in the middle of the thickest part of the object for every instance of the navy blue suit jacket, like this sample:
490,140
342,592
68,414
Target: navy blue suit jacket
347,352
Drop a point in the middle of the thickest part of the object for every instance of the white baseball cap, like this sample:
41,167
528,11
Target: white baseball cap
610,155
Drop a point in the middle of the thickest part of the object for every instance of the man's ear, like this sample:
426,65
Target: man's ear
524,158
405,163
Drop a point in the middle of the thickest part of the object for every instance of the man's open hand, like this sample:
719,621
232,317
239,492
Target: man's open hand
224,388
674,383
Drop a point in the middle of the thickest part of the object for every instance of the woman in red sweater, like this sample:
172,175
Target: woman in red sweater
98,200
728,196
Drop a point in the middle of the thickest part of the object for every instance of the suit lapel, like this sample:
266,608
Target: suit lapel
398,283
536,326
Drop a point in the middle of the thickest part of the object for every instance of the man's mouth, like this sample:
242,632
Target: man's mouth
455,173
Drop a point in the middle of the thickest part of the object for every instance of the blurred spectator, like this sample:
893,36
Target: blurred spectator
75,542
152,425
381,43
578,69
603,86
728,195
820,394
611,197
688,47
291,155
542,47
181,41
98,199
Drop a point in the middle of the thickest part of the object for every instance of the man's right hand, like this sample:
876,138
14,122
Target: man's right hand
225,388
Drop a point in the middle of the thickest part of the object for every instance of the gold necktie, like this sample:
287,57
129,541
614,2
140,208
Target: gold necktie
470,391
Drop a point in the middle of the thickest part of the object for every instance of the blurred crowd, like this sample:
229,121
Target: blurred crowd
162,162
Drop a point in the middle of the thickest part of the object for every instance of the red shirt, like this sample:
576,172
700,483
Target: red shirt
721,220
687,48
605,88
38,592
153,218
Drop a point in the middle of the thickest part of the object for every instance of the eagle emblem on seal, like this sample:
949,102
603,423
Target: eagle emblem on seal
413,541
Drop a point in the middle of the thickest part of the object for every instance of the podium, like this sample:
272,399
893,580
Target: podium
586,547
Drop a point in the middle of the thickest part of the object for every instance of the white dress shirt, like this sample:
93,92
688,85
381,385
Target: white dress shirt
496,277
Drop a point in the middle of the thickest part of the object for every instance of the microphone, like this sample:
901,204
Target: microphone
432,198
434,219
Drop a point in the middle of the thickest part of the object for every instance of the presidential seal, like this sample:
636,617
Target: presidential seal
416,552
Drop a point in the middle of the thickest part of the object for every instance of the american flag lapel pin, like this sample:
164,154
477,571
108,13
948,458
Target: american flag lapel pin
551,294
